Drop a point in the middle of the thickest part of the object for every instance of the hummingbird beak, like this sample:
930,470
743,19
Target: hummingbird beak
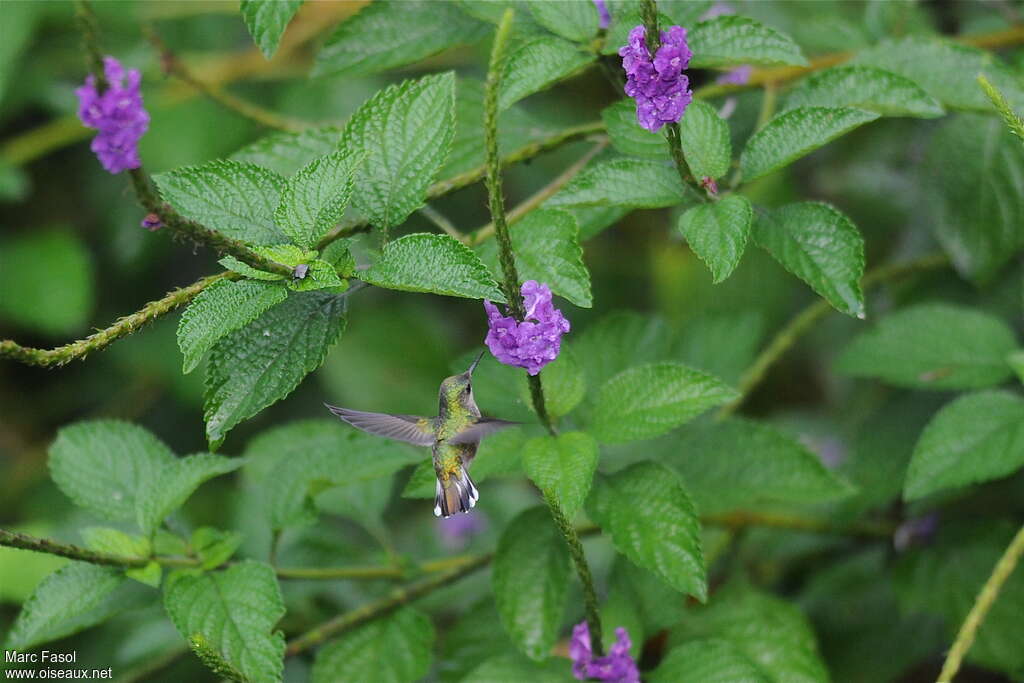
475,363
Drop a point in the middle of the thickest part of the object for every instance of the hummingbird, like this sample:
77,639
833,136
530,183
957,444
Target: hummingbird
453,437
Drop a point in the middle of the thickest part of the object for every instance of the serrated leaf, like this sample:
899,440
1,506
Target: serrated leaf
530,581
796,133
115,542
648,400
865,87
736,463
220,309
405,131
286,254
285,153
704,137
707,660
633,183
653,522
628,136
264,361
620,340
319,275
214,547
976,201
384,35
732,40
267,20
547,248
149,575
563,467
72,599
234,198
819,245
235,612
174,483
717,233
102,464
315,198
933,346
394,649
244,269
537,63
440,264
976,438
576,19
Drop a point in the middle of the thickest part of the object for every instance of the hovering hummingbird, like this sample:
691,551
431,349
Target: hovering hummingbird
453,437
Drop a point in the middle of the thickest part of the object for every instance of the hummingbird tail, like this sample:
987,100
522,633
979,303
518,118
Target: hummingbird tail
458,494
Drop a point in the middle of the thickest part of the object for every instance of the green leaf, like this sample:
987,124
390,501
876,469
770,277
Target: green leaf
514,668
865,87
220,309
717,233
46,282
538,63
115,542
286,254
546,244
707,660
796,133
653,522
562,467
214,547
234,611
385,34
440,264
819,245
722,344
174,483
267,20
315,198
244,269
976,201
732,40
736,463
150,575
704,137
320,275
264,361
649,400
530,581
405,131
629,137
285,153
620,340
394,649
72,599
933,346
101,465
773,634
234,198
976,438
631,183
564,385
576,20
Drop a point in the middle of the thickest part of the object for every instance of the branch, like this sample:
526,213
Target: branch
982,604
13,539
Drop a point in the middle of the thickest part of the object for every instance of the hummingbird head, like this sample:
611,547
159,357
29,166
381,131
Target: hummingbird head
456,393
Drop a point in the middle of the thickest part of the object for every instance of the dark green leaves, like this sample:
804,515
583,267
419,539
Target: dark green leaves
633,183
628,136
266,20
732,40
174,483
315,198
707,661
530,579
425,262
563,467
264,361
717,232
865,87
405,131
652,522
705,140
576,21
536,64
285,153
933,346
819,245
649,400
387,34
393,649
975,438
796,133
232,613
233,197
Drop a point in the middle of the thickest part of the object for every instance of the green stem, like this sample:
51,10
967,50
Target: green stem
767,105
982,604
579,560
89,27
13,539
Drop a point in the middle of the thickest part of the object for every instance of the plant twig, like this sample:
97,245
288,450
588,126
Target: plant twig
14,539
982,604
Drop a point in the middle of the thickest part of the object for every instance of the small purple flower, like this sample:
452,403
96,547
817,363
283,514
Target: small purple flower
658,85
118,115
532,343
152,222
602,11
456,531
738,76
617,666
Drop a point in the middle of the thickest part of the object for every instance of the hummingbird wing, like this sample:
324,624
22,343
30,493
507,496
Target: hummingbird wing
481,428
418,431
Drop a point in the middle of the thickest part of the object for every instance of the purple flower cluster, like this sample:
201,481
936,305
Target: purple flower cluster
602,11
658,85
616,666
117,114
530,344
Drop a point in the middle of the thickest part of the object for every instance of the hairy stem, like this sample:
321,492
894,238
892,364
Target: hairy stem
590,605
982,604
13,539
